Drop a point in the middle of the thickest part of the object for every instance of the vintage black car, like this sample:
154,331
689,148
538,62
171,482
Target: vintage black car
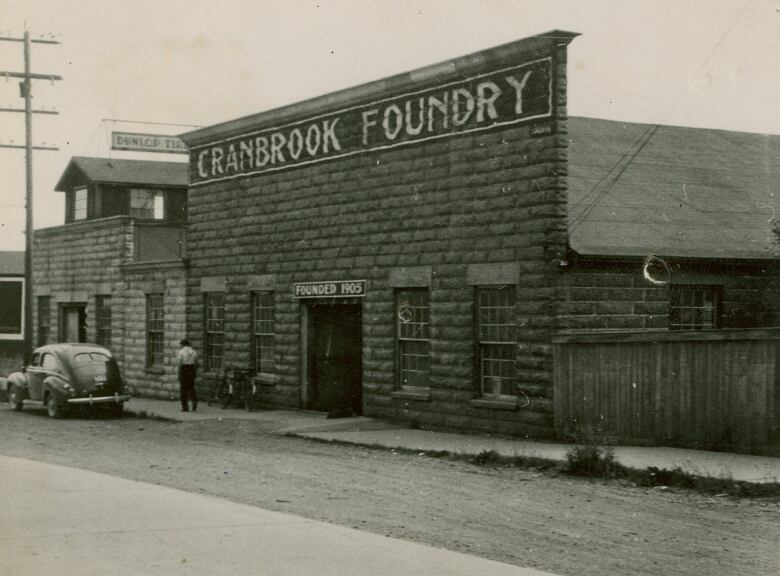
62,376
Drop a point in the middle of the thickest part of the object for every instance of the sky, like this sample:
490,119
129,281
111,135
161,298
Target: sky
177,64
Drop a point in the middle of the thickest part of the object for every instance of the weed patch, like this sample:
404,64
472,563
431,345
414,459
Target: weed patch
593,461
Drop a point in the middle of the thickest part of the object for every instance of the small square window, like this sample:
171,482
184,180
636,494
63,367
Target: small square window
695,307
147,204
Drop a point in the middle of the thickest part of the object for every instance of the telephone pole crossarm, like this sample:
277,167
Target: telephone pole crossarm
22,110
30,76
25,147
32,40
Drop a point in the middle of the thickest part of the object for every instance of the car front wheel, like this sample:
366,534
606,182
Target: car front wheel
14,398
53,409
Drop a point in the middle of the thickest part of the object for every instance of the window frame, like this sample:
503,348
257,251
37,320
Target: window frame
714,311
155,330
263,339
44,313
214,330
15,335
157,203
413,354
77,210
103,320
486,348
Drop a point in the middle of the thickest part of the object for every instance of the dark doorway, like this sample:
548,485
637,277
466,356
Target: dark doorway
335,358
73,325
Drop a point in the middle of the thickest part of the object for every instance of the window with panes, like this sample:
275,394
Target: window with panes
80,198
497,340
215,329
263,331
147,204
103,320
694,307
413,327
155,334
44,319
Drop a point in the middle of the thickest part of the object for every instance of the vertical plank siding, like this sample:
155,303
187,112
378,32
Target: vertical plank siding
707,389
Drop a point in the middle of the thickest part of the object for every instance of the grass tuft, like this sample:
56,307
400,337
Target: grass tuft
593,461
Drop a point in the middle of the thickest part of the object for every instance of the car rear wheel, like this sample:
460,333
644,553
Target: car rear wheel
14,398
53,408
115,410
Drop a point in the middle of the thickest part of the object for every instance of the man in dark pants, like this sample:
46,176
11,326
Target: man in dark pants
187,362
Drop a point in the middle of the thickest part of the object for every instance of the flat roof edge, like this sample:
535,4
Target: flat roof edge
346,96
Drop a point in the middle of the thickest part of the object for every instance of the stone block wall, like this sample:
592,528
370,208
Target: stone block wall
77,262
492,197
11,356
168,279
604,295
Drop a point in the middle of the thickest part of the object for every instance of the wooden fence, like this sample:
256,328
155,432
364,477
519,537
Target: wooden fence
708,389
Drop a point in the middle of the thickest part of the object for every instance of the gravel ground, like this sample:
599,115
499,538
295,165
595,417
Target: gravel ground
523,517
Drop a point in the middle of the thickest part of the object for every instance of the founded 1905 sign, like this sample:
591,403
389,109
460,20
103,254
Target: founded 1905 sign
505,96
335,289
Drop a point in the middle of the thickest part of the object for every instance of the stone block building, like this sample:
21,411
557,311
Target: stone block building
407,248
113,274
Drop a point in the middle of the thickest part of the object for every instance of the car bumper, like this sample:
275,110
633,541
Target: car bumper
115,399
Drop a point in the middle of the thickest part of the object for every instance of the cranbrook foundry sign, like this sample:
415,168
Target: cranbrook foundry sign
335,289
498,98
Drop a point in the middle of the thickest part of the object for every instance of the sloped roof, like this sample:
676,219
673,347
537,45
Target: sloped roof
11,263
640,189
122,171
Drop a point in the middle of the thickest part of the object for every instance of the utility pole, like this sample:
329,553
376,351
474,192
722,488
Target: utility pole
26,92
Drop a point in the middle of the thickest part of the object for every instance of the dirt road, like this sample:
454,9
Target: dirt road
555,523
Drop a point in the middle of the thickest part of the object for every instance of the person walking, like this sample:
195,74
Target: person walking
187,363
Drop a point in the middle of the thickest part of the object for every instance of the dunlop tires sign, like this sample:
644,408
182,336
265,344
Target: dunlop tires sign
498,98
147,143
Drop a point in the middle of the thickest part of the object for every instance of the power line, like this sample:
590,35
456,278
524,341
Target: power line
151,123
647,135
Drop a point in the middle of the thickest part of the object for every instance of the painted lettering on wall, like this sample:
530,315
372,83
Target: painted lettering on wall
506,96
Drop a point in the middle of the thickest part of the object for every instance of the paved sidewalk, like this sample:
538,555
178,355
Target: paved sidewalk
372,432
59,520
